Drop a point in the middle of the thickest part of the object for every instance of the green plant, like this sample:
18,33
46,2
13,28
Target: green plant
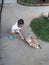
40,27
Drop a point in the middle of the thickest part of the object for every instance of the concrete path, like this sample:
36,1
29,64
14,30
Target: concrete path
17,52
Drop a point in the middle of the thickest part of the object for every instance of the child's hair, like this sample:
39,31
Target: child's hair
20,21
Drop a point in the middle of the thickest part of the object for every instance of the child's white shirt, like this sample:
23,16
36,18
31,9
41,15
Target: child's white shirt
15,28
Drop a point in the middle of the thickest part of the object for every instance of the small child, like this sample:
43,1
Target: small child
17,27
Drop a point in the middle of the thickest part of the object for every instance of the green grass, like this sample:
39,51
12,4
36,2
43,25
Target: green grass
40,27
31,1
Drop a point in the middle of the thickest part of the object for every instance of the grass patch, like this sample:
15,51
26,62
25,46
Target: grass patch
33,2
40,27
30,1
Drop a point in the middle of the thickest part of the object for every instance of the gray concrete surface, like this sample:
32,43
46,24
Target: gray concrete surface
17,52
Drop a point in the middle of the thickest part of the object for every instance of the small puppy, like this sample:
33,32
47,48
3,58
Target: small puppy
32,42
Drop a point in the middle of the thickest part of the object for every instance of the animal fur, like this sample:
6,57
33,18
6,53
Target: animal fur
32,42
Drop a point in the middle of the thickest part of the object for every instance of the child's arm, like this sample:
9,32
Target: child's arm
21,36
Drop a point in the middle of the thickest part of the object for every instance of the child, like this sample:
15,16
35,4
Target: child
17,27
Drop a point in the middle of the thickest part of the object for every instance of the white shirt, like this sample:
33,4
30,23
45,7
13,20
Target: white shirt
15,28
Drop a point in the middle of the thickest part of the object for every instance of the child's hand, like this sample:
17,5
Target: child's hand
22,38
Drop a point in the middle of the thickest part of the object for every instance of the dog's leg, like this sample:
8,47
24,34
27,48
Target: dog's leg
39,46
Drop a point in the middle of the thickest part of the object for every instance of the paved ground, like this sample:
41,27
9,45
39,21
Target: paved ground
17,52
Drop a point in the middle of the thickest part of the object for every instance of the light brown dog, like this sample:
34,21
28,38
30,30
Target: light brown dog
32,42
